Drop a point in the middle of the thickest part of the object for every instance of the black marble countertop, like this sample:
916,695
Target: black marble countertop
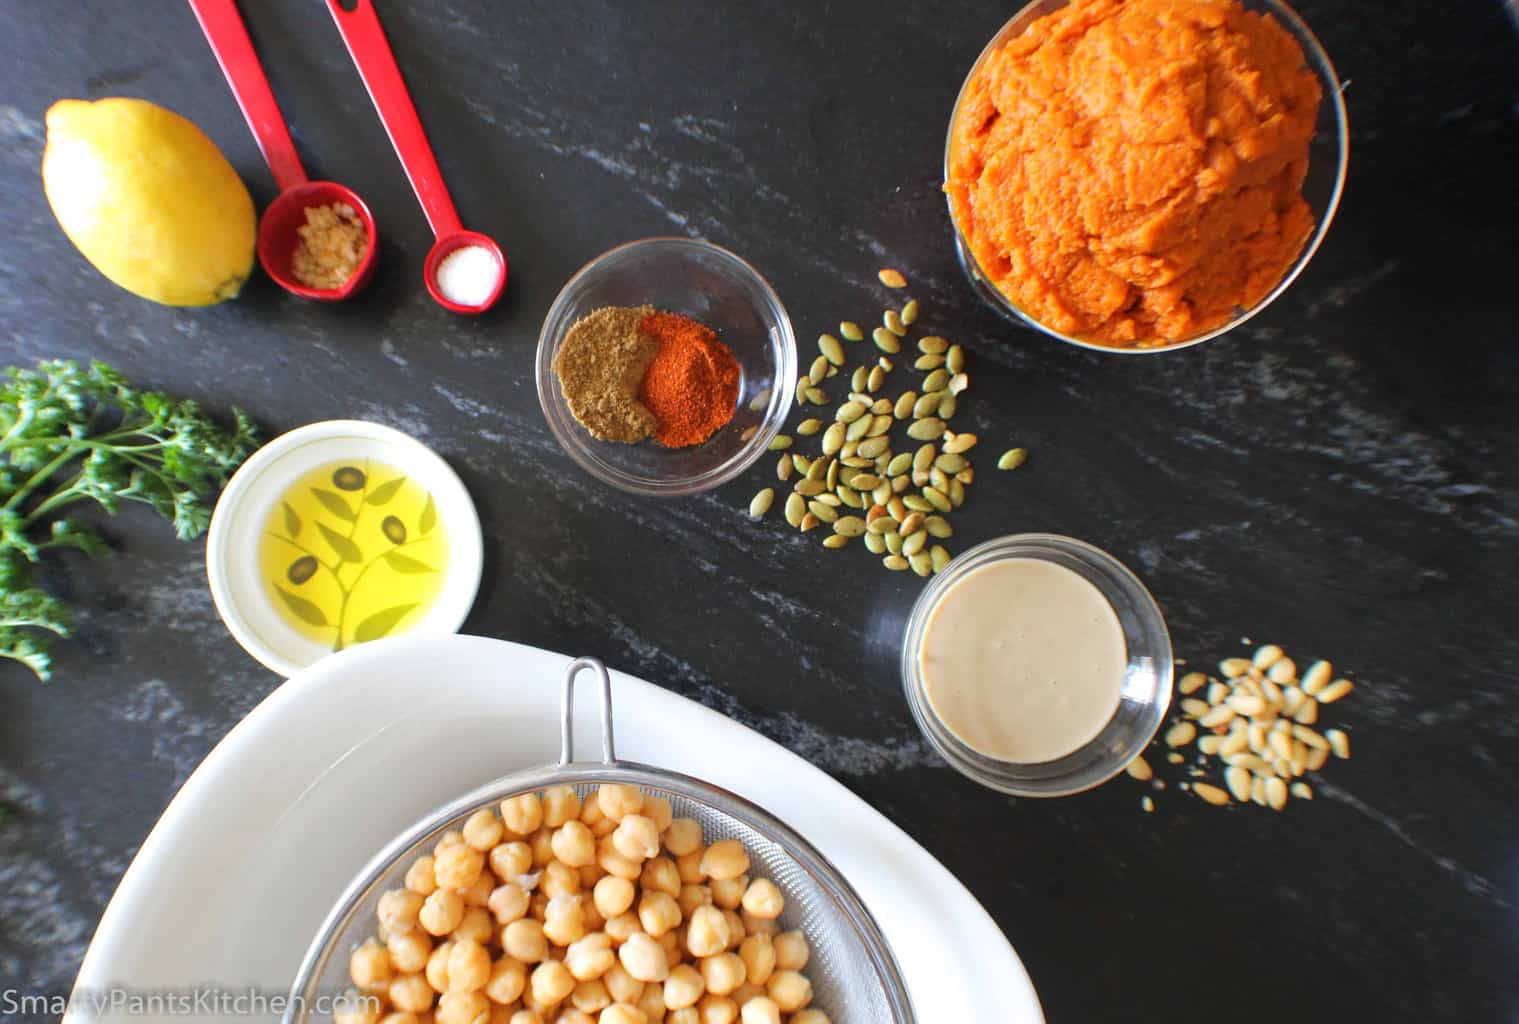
1339,476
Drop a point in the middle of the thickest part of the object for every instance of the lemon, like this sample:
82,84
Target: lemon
149,200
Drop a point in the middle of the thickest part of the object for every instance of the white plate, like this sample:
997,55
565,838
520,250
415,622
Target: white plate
233,882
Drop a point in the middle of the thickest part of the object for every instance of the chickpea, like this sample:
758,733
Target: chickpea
452,837
542,844
689,1015
574,844
675,946
760,1010
660,875
590,874
614,862
728,893
594,922
736,931
658,913
508,902
458,865
590,957
524,940
560,804
617,801
612,896
411,993
763,899
574,1016
400,1018
622,1013
436,969
636,838
745,992
474,926
717,1009
469,966
683,987
790,990
693,897
522,814
643,958
689,867
483,830
478,894
590,996
707,934
658,808
508,979
419,877
564,920
758,955
354,1008
526,1017
552,982
511,859
652,1003
622,986
723,973
409,950
559,879
811,1017
463,1008
759,925
683,837
369,965
725,859
538,905
791,951
502,1014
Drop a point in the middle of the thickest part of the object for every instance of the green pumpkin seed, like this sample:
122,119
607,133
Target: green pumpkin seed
818,372
817,396
824,512
873,446
939,556
881,495
875,379
893,542
833,474
803,385
849,526
881,407
932,344
910,312
896,510
938,499
850,411
950,462
921,563
911,523
808,427
864,482
796,507
875,543
924,457
939,479
967,476
905,404
849,497
831,500
783,469
899,484
893,322
760,503
800,462
961,443
818,469
947,406
851,330
879,424
858,429
749,432
809,523
886,341
891,278
810,488
958,383
913,544
1012,458
885,364
928,362
955,359
857,462
882,525
833,438
896,563
956,493
936,381
858,378
927,405
927,429
938,527
899,464
834,540
832,350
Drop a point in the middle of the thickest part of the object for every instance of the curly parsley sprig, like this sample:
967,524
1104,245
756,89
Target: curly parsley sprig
70,433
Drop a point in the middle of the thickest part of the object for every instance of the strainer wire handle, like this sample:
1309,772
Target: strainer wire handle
567,711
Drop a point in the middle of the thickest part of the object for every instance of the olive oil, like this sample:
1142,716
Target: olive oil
353,552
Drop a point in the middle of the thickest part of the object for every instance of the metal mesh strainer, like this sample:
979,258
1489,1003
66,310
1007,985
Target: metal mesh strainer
854,976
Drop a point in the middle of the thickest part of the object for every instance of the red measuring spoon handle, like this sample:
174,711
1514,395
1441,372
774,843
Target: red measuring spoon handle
234,51
371,53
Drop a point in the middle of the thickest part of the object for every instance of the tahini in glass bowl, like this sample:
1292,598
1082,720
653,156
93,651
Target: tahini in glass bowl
1143,701
709,284
1328,156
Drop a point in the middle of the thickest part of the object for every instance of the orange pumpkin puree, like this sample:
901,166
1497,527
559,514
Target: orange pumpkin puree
1130,171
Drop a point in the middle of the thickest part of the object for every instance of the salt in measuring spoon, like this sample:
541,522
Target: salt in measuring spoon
372,55
278,227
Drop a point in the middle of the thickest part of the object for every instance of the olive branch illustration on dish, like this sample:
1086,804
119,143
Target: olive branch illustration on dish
350,556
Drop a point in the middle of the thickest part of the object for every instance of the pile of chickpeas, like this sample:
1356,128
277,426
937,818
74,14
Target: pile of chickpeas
607,910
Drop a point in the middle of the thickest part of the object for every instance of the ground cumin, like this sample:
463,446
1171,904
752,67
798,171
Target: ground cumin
692,384
600,365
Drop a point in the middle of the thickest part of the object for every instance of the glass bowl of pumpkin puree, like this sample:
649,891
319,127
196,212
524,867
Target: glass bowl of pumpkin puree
1140,176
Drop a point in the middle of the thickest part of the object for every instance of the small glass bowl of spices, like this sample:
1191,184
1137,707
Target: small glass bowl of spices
666,366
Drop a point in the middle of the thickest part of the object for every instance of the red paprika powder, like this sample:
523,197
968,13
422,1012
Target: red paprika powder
691,387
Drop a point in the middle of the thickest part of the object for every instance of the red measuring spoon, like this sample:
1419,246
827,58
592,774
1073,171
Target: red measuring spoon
277,228
371,53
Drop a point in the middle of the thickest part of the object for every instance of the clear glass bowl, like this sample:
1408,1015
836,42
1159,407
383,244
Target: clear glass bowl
1328,157
706,283
1146,690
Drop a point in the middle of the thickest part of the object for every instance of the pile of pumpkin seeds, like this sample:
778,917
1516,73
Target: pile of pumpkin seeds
897,503
1257,718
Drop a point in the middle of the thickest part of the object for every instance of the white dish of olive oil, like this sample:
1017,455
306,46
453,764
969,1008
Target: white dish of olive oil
339,533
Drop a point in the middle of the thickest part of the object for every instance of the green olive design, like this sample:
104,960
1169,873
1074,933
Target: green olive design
301,570
394,530
348,478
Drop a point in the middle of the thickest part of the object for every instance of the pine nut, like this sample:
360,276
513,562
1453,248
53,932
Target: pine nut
1211,794
1140,769
1283,671
1239,783
1317,677
1217,692
1301,791
1245,704
1191,683
1317,759
1234,743
1219,715
1233,668
1181,734
1194,708
1339,742
1267,656
1276,793
1308,736
1335,690
1210,744
1258,790
1307,712
1250,763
